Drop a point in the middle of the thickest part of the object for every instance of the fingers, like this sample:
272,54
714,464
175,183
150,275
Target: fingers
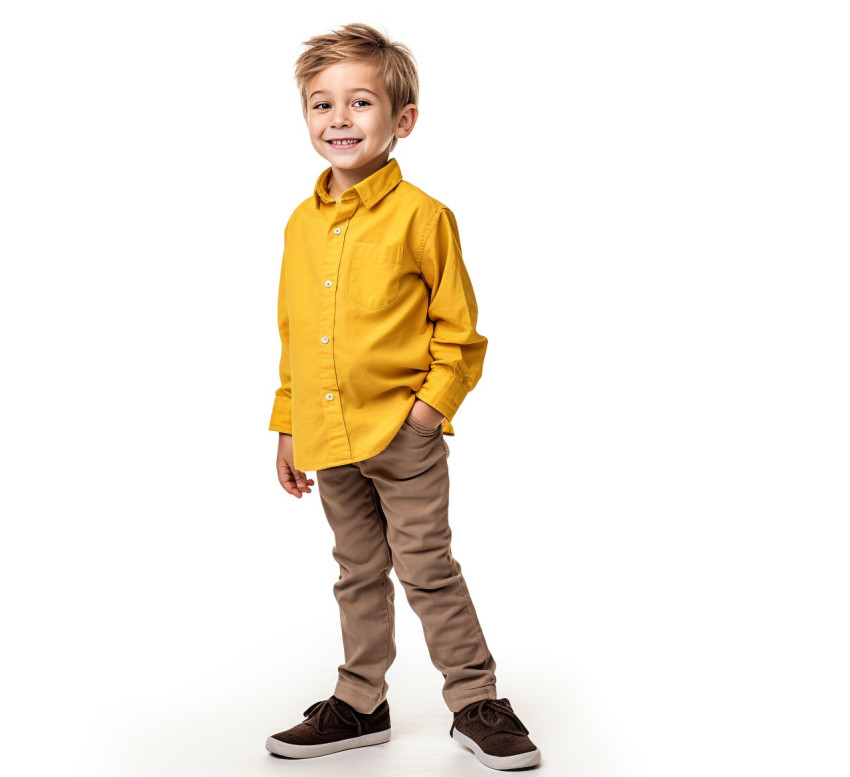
296,484
302,482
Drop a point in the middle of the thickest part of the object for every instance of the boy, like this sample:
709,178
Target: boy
377,322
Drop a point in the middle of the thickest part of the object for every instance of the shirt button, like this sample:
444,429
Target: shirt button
329,396
329,283
325,339
337,231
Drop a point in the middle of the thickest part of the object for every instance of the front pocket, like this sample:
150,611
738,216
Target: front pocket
421,429
373,280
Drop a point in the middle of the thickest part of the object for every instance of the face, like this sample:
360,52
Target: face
348,102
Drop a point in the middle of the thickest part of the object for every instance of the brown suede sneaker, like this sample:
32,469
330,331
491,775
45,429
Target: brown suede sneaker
331,726
491,729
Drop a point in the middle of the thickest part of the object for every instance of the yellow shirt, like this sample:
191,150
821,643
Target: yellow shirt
375,309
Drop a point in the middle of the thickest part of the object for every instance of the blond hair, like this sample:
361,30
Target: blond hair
361,43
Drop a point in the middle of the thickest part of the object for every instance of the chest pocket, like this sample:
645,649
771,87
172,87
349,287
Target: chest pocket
373,280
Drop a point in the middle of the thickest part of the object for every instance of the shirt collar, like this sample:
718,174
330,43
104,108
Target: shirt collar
370,190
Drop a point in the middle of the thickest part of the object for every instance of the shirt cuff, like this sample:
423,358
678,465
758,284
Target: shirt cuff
443,392
281,416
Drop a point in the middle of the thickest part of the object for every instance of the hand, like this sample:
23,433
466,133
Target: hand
293,480
425,414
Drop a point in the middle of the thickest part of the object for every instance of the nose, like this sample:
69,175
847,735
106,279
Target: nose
340,116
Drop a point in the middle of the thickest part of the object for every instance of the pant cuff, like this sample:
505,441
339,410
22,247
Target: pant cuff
458,698
364,703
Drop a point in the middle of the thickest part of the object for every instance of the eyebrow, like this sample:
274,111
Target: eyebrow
356,89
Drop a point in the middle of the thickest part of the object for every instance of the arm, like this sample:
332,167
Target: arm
293,480
282,411
457,349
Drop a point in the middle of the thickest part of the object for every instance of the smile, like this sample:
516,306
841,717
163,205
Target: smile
344,142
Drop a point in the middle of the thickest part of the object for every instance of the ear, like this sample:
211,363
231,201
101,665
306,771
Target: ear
406,120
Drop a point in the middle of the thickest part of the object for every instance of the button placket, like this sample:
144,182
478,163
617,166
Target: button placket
332,400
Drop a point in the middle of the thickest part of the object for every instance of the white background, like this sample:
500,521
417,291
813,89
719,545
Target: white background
649,484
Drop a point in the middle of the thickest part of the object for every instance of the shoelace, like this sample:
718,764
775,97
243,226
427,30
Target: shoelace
326,710
490,713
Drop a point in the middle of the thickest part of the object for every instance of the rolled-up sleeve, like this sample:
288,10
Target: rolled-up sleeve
281,420
457,349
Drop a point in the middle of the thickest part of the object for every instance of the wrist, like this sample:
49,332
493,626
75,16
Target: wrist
426,414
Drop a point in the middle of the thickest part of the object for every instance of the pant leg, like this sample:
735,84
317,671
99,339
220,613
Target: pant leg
412,479
364,590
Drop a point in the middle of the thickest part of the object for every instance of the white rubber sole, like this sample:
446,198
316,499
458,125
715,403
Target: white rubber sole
311,751
518,761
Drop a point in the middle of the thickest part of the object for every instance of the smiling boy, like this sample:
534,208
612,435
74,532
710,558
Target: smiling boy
377,319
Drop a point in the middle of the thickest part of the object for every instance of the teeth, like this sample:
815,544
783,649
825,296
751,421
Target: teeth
344,142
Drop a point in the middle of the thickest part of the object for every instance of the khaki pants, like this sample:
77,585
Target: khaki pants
391,510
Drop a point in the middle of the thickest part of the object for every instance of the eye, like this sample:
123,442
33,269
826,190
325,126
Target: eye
362,101
319,105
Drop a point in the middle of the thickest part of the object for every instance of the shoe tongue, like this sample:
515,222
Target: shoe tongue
508,716
338,706
334,708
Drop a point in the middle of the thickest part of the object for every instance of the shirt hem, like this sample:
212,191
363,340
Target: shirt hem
344,462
